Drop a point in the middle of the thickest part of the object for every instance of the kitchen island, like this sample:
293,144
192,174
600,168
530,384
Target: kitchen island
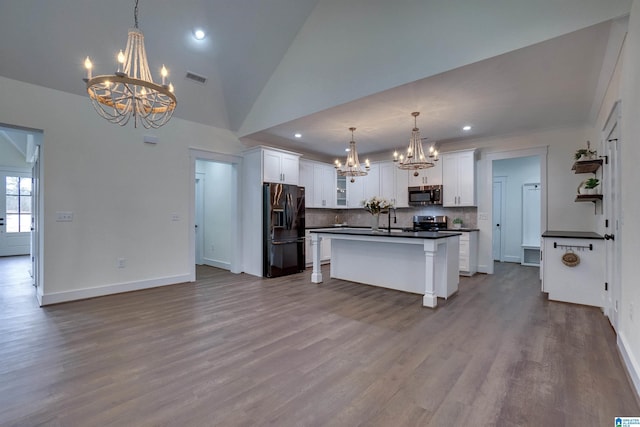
421,262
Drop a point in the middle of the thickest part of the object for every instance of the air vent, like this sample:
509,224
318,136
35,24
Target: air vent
196,78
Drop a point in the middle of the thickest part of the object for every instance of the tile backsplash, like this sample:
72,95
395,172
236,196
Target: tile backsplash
360,217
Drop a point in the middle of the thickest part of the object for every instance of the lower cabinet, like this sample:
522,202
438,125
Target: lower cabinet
468,253
325,250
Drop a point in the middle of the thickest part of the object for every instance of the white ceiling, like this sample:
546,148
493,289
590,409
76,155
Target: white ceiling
549,84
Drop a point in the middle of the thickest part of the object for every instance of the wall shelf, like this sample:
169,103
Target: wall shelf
588,197
587,166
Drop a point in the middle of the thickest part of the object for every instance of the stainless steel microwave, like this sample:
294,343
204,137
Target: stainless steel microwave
425,195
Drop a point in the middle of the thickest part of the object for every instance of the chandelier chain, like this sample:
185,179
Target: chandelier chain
135,14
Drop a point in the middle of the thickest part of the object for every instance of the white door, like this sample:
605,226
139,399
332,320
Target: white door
35,228
499,186
15,213
199,217
612,208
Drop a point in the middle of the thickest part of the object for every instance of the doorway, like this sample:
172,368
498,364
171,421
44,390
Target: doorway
215,231
21,198
485,205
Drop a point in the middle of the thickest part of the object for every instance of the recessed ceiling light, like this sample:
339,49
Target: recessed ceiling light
298,135
199,34
466,128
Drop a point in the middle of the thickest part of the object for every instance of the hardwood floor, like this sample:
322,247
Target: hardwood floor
235,350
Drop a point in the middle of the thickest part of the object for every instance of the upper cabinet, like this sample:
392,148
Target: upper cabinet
430,176
319,180
280,166
459,178
394,184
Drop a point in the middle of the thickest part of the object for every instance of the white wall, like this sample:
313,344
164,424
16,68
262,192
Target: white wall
216,227
629,326
122,192
518,171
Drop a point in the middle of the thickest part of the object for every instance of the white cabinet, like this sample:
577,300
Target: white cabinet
430,176
362,187
468,253
458,178
319,180
564,279
325,250
280,166
394,184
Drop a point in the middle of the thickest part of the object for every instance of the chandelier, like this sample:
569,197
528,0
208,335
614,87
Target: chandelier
131,90
352,166
415,158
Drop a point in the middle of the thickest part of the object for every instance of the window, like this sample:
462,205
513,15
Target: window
18,202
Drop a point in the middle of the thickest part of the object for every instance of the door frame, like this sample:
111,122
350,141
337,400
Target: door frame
236,226
485,199
199,217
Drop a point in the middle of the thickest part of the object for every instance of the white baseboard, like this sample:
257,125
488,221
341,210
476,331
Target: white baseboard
116,288
512,258
216,263
631,363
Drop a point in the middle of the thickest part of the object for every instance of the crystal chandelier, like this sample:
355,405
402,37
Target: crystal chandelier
415,158
352,166
131,90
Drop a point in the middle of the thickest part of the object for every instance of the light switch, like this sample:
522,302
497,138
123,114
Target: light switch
64,216
175,217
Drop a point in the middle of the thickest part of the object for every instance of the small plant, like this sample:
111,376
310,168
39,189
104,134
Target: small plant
591,183
581,152
457,221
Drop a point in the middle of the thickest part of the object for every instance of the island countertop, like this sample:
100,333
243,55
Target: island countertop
572,234
384,233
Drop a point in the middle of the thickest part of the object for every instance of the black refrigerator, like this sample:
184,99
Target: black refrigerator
283,234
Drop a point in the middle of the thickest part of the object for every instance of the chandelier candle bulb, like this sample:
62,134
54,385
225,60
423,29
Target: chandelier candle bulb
121,60
163,73
88,65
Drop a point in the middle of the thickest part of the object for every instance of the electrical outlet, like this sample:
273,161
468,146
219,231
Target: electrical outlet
121,263
175,217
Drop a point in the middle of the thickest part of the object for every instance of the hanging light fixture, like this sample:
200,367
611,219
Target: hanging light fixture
131,90
414,158
352,166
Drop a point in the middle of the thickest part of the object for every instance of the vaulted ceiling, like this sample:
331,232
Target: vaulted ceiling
317,67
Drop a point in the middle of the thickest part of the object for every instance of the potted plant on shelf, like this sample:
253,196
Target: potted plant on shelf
585,153
457,222
591,185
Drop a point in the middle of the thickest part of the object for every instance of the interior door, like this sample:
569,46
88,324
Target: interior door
612,207
499,186
35,215
199,220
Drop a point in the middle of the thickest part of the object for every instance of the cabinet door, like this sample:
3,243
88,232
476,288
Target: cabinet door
341,192
371,182
449,180
317,186
328,186
355,192
289,167
402,189
271,166
388,180
307,181
466,179
434,174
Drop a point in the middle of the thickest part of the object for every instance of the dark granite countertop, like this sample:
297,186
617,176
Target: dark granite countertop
572,234
383,232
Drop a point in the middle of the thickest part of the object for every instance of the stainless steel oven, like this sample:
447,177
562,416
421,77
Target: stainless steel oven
425,195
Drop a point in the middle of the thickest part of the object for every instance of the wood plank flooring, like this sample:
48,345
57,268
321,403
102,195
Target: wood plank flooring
235,350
